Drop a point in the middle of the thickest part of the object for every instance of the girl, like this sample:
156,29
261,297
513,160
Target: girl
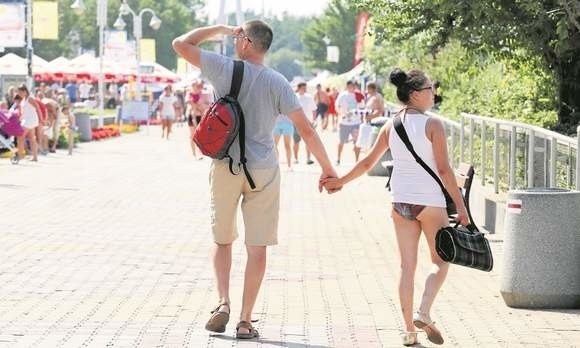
29,111
418,203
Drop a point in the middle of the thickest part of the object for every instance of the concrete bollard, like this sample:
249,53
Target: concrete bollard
541,267
378,169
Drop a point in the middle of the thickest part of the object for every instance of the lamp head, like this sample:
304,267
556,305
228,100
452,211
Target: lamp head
155,23
78,7
124,9
119,23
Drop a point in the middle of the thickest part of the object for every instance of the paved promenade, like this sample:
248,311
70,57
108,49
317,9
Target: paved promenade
109,248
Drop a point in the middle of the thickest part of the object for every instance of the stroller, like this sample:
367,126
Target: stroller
10,127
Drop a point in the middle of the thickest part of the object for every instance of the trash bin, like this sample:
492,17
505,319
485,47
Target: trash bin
83,122
379,169
541,267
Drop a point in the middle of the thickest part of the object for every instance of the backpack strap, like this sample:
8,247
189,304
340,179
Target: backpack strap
237,78
234,91
400,129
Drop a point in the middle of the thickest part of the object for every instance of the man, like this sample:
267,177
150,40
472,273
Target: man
349,121
85,91
51,129
264,94
375,102
43,121
73,92
322,102
309,108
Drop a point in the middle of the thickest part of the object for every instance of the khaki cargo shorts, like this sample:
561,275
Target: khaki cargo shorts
260,207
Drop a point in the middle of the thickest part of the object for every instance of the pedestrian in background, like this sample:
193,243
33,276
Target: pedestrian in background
309,107
322,102
71,127
167,106
333,115
197,102
346,106
284,129
29,111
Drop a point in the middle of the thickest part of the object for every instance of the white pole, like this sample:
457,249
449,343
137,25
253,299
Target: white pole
531,149
462,140
29,48
137,32
221,19
513,149
239,13
483,151
101,22
553,161
496,158
578,159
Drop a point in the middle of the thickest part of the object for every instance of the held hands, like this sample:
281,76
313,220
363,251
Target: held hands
332,185
328,174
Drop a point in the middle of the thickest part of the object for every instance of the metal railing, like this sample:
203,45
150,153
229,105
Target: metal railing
511,155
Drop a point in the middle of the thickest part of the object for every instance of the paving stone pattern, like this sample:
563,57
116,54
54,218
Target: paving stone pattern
110,248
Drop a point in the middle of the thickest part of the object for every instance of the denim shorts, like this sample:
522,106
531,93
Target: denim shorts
344,130
283,128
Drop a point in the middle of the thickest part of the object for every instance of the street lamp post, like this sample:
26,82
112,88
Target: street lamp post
79,7
120,24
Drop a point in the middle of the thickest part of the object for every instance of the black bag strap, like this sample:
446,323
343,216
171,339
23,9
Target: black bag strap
400,129
237,78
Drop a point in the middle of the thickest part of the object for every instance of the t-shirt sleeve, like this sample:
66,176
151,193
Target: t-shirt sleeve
288,101
215,67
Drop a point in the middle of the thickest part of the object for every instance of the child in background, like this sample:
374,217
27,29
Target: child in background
71,127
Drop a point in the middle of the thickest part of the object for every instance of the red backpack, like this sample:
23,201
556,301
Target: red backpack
222,123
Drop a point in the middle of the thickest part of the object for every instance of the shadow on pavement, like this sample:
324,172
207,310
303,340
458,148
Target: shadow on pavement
271,342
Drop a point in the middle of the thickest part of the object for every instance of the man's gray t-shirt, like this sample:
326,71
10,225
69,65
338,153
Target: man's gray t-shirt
264,95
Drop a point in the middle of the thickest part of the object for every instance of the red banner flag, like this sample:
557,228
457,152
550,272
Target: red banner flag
361,24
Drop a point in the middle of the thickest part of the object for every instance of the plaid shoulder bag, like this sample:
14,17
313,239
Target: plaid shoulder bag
465,246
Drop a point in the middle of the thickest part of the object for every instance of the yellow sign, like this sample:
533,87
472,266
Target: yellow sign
45,20
181,66
147,50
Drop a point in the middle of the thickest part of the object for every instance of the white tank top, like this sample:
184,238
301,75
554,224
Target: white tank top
410,182
29,115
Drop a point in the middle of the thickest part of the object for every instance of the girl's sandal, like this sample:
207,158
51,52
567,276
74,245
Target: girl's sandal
423,322
409,338
253,333
219,319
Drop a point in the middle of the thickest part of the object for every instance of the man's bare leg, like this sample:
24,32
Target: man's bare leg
255,269
222,264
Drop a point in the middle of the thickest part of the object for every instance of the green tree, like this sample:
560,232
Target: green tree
337,23
286,55
287,62
547,29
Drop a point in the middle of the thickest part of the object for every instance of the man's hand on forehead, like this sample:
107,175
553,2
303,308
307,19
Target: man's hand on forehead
238,30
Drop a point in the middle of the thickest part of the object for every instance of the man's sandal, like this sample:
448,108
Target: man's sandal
219,318
253,333
423,322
